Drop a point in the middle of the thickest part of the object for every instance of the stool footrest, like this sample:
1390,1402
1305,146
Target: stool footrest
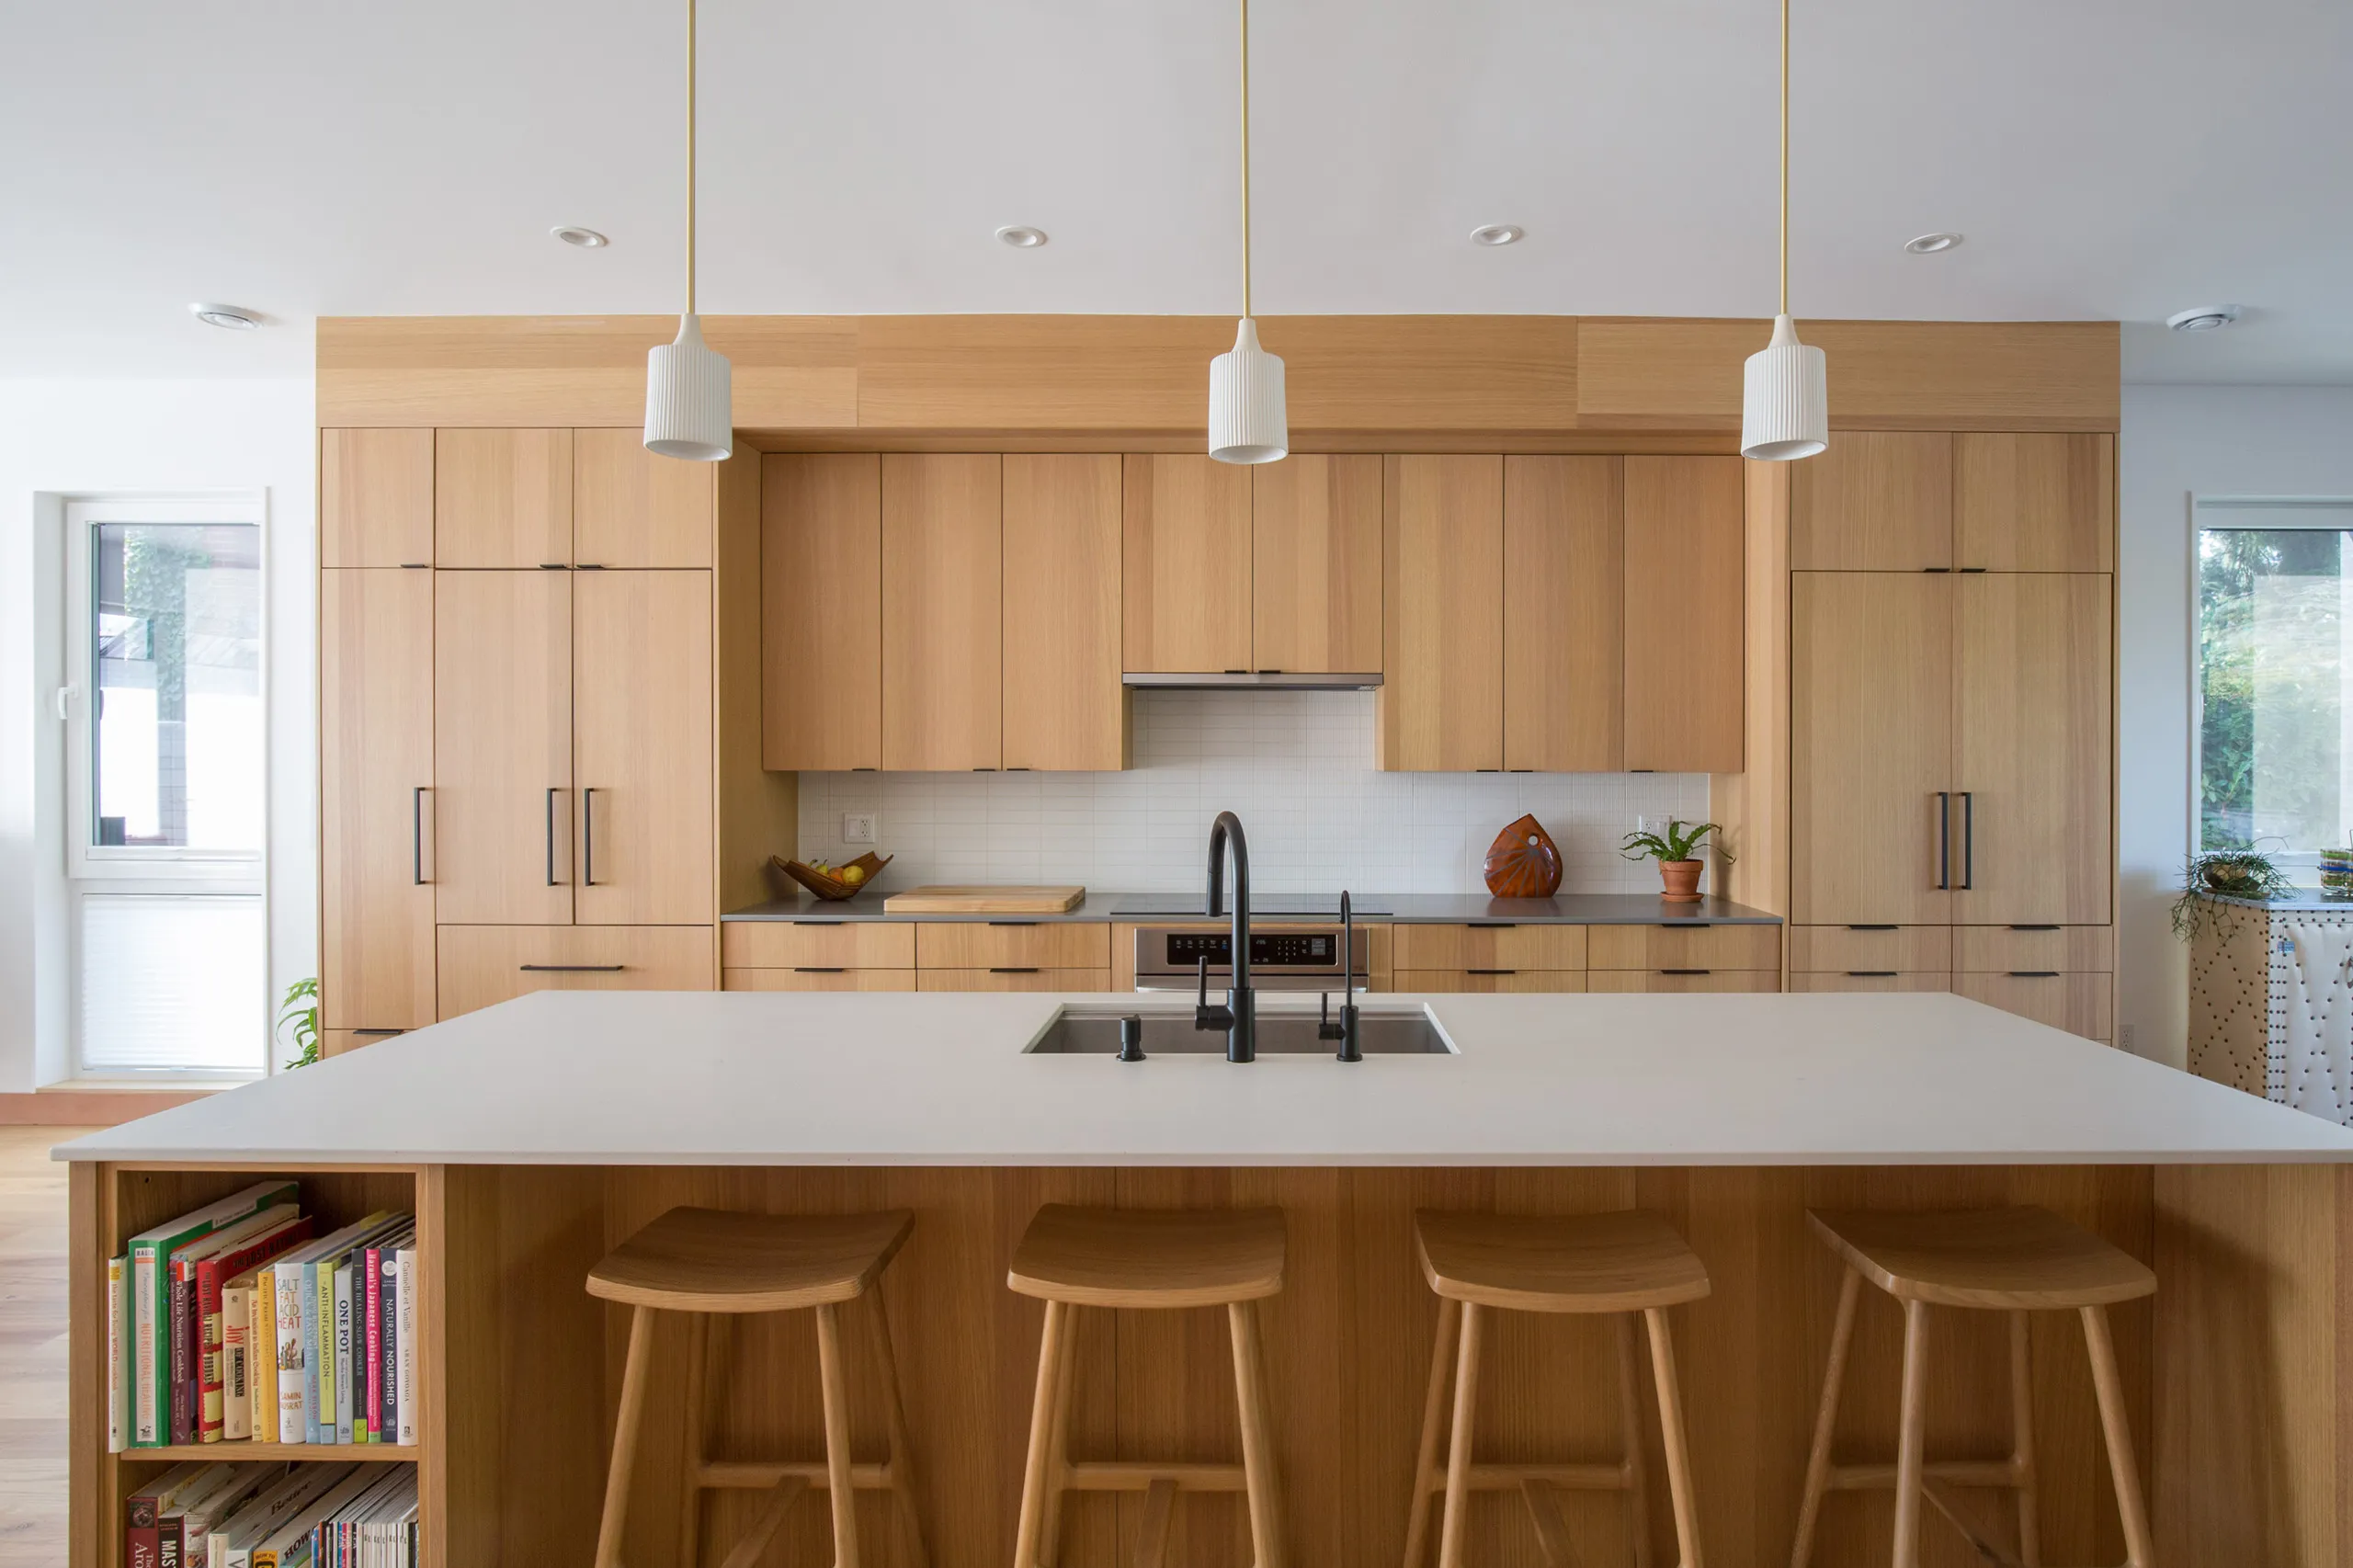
1952,1473
1137,1475
780,1499
758,1476
1617,1477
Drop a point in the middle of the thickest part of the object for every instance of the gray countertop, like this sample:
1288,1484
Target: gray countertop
1439,909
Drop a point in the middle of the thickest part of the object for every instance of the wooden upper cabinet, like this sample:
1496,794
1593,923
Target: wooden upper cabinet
942,611
2032,842
1186,572
502,798
2034,503
1686,593
1871,745
1064,705
1441,705
1564,575
375,498
375,778
1874,501
502,498
630,508
1316,565
643,749
821,612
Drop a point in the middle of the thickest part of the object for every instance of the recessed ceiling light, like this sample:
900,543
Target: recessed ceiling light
574,235
1021,236
1929,245
233,317
1496,234
2205,318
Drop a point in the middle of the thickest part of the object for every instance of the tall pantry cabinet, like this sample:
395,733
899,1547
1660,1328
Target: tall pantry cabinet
518,731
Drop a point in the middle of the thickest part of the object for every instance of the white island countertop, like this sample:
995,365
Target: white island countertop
774,1079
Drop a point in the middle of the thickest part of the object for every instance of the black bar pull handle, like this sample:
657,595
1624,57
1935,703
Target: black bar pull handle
1890,927
571,968
587,839
1944,839
1968,840
417,836
818,969
1870,974
1009,968
2034,974
553,791
1686,971
1491,971
379,1032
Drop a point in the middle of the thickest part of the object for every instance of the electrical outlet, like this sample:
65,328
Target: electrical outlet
2124,1039
857,827
1641,824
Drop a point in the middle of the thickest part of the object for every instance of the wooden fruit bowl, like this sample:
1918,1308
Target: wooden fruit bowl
824,883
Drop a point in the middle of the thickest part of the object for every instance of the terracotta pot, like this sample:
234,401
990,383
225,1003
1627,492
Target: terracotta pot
1682,879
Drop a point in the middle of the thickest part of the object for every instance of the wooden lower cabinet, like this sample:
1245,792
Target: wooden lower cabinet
1832,949
816,978
792,943
483,964
1012,978
2000,949
336,1042
1491,946
1872,979
1684,947
2079,1003
1492,982
1661,981
988,944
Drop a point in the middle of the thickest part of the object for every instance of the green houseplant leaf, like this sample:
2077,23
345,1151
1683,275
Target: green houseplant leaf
298,1022
1681,841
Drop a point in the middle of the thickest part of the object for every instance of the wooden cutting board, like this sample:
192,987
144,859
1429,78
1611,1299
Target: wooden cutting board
984,901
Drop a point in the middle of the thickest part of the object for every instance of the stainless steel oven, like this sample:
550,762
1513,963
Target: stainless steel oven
1298,958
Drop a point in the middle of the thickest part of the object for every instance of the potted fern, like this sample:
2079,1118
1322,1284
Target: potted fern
1677,853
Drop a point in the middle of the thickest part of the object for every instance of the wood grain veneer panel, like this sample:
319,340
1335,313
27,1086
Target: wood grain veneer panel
644,748
1492,982
1839,948
1417,946
817,979
1470,373
1876,501
943,602
2034,946
502,498
1686,598
483,964
375,498
821,612
2080,1004
1184,573
1442,704
758,810
1684,947
1062,372
1564,597
1064,708
631,508
971,944
2034,503
1315,563
775,944
502,732
1752,851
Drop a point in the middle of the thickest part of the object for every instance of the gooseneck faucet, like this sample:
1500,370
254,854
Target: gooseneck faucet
1239,1017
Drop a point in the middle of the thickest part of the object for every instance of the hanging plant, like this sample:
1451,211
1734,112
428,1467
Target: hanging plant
2223,873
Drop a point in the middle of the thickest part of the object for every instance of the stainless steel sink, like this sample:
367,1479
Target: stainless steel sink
1093,1029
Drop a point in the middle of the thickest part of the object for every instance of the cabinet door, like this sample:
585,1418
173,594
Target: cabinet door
643,746
1185,572
2034,503
1442,624
502,749
1565,588
1875,501
1492,982
821,612
2079,1004
485,964
375,773
943,599
1316,565
1686,593
2032,835
1675,981
631,508
1064,705
375,498
1871,716
502,498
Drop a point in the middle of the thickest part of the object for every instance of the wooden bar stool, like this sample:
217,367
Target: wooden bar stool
2013,1260
1152,1259
705,1262
1623,1264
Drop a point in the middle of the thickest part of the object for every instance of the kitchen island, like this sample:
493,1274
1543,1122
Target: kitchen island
532,1136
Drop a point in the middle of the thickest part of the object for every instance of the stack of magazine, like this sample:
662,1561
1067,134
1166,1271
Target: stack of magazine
206,1515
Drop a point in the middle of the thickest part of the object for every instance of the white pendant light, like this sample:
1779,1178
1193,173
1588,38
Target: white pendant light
689,405
1247,422
1785,392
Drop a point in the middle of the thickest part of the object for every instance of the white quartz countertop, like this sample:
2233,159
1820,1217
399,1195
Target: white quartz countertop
767,1079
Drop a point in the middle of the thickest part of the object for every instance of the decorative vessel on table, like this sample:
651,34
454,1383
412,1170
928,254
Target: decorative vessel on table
1677,853
1524,863
833,882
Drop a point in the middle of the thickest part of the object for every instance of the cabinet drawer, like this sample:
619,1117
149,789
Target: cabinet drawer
1832,949
1686,946
1012,978
2001,948
816,980
1496,981
1871,979
790,944
1663,981
1022,943
2080,1004
1487,946
483,964
335,1043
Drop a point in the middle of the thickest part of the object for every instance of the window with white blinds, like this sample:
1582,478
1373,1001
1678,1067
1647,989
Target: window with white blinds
171,983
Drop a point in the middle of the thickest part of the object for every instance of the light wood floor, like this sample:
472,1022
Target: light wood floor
32,1346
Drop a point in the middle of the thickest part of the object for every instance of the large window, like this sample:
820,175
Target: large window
2274,721
166,787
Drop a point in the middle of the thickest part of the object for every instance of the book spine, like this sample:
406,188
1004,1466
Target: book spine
407,1331
290,1372
365,1426
140,1544
343,1428
169,1541
387,1390
236,1390
144,1381
210,1404
117,1384
318,1352
261,1358
183,1426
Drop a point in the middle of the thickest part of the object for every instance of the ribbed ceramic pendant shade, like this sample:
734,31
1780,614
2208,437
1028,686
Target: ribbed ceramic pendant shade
1785,400
690,411
1247,422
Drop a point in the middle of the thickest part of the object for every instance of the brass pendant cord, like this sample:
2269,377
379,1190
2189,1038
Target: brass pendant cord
1245,157
690,158
1785,157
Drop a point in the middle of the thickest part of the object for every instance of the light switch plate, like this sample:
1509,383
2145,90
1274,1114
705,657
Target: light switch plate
857,827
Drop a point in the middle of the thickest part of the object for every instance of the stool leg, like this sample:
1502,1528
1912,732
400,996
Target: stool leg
1058,1445
633,1372
1260,1473
2116,1429
837,1397
2022,1442
691,1494
1457,1442
1638,1478
1670,1423
1417,1519
1042,1434
1911,1427
901,1456
1826,1420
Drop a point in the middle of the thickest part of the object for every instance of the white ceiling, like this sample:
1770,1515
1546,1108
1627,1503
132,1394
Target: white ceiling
2106,159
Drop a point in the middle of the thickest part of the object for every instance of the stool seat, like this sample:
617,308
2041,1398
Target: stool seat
2020,1259
1628,1261
716,1260
1150,1257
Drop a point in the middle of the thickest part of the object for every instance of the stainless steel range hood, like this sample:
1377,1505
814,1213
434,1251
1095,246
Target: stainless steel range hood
1253,680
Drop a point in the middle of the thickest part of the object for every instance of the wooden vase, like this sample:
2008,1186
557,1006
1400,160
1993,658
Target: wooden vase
1682,879
1524,863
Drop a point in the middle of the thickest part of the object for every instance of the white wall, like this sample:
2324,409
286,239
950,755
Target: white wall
2181,441
82,436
